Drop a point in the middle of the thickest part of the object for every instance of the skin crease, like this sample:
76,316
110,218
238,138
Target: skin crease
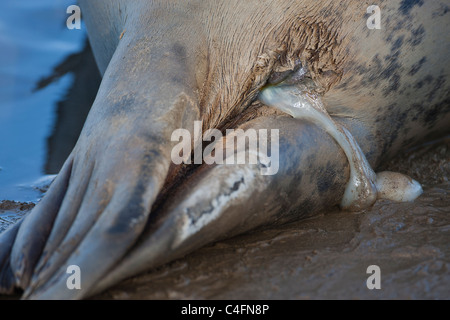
166,64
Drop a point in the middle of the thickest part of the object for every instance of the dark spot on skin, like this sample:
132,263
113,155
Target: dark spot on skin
443,10
179,51
389,37
392,57
311,159
416,67
418,108
350,79
377,61
437,85
119,106
388,72
432,114
178,54
407,5
393,29
426,80
371,153
324,181
417,36
361,70
391,72
135,207
394,84
373,72
393,122
397,44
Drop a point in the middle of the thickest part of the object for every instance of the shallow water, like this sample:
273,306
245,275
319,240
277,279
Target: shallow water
33,39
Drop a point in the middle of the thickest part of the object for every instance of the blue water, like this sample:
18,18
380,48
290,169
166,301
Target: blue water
33,39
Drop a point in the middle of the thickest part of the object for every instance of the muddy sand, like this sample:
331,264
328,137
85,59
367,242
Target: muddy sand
325,257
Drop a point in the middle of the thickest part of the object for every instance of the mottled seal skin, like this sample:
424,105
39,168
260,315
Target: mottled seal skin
119,206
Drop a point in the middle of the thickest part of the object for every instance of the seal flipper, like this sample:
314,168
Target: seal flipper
120,164
30,234
7,279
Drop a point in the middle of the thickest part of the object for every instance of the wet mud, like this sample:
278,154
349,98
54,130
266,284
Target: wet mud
12,211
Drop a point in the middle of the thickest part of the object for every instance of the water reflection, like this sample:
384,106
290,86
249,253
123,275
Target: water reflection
48,80
72,111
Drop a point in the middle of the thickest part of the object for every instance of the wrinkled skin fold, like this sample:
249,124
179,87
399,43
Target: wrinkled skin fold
120,206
